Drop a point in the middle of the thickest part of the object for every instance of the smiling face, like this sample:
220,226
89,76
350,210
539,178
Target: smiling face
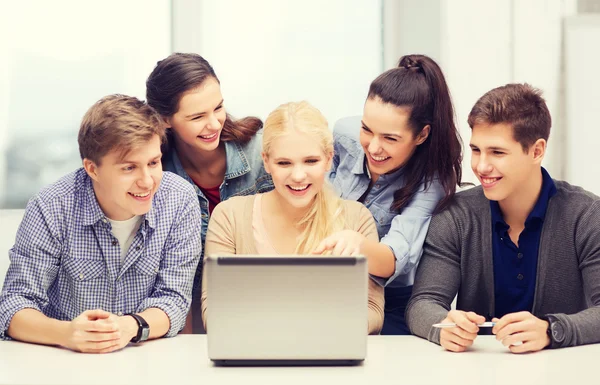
386,137
298,165
124,187
198,122
500,163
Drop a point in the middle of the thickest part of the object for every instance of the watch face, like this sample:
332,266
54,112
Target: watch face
558,333
145,334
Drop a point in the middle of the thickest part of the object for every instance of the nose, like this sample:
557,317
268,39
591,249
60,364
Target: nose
213,122
298,173
374,146
145,181
483,166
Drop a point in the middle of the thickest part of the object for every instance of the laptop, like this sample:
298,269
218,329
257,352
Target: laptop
286,310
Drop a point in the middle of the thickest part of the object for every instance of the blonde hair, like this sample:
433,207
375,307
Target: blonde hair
325,215
117,122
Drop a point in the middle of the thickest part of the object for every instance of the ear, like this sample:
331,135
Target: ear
265,159
91,169
329,160
166,122
538,150
423,135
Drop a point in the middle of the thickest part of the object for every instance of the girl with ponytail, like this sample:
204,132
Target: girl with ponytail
402,160
302,210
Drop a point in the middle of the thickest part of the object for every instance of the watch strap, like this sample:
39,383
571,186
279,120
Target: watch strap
142,325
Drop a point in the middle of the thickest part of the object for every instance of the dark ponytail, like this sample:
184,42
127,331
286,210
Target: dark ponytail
418,83
182,72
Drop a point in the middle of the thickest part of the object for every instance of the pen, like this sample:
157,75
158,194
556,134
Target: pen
452,325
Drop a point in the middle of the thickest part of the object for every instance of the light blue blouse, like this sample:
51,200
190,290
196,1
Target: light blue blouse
403,233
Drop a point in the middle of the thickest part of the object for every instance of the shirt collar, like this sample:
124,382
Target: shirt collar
538,213
237,162
361,168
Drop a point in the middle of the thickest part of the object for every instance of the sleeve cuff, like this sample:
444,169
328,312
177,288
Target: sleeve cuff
176,316
8,312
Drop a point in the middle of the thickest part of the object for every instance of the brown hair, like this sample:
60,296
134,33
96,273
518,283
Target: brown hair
117,122
520,105
182,72
419,84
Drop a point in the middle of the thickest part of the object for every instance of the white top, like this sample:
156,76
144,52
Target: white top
125,231
390,360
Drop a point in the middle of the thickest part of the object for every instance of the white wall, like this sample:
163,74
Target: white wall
486,44
268,52
583,101
57,58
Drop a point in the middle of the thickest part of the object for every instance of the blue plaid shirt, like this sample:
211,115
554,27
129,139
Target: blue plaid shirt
65,259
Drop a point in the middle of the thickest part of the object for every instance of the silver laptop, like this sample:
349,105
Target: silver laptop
286,310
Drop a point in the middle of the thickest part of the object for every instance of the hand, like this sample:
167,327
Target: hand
93,331
522,332
459,338
345,242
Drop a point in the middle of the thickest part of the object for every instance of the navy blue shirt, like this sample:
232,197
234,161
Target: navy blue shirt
515,268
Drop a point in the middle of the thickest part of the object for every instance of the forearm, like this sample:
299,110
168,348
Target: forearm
380,258
376,307
581,328
30,325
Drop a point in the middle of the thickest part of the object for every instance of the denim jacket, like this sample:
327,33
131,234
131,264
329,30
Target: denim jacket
403,233
245,174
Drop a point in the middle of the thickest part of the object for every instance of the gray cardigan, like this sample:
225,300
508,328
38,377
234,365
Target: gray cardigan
457,259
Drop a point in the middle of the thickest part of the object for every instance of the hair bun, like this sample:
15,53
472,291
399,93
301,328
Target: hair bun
409,62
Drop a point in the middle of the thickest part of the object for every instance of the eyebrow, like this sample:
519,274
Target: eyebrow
125,161
202,113
384,134
493,148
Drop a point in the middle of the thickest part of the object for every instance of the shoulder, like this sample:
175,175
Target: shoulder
66,186
172,184
464,205
346,133
236,204
355,212
574,201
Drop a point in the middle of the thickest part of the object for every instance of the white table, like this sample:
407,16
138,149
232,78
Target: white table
390,360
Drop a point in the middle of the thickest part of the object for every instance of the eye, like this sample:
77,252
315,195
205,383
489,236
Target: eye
219,107
283,163
498,153
312,161
476,150
198,117
391,139
365,129
128,168
154,163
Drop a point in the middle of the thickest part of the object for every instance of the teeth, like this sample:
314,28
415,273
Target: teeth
141,195
208,136
299,188
379,158
489,180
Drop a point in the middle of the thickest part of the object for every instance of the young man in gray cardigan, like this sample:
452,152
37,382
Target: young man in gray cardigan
521,250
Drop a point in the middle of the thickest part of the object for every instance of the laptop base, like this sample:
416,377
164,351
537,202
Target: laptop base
287,362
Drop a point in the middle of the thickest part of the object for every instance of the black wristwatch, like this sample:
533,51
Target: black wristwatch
556,331
143,329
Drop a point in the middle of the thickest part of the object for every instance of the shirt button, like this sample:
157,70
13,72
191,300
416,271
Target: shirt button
81,276
114,243
520,255
367,201
138,247
104,220
120,314
520,277
376,186
156,270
